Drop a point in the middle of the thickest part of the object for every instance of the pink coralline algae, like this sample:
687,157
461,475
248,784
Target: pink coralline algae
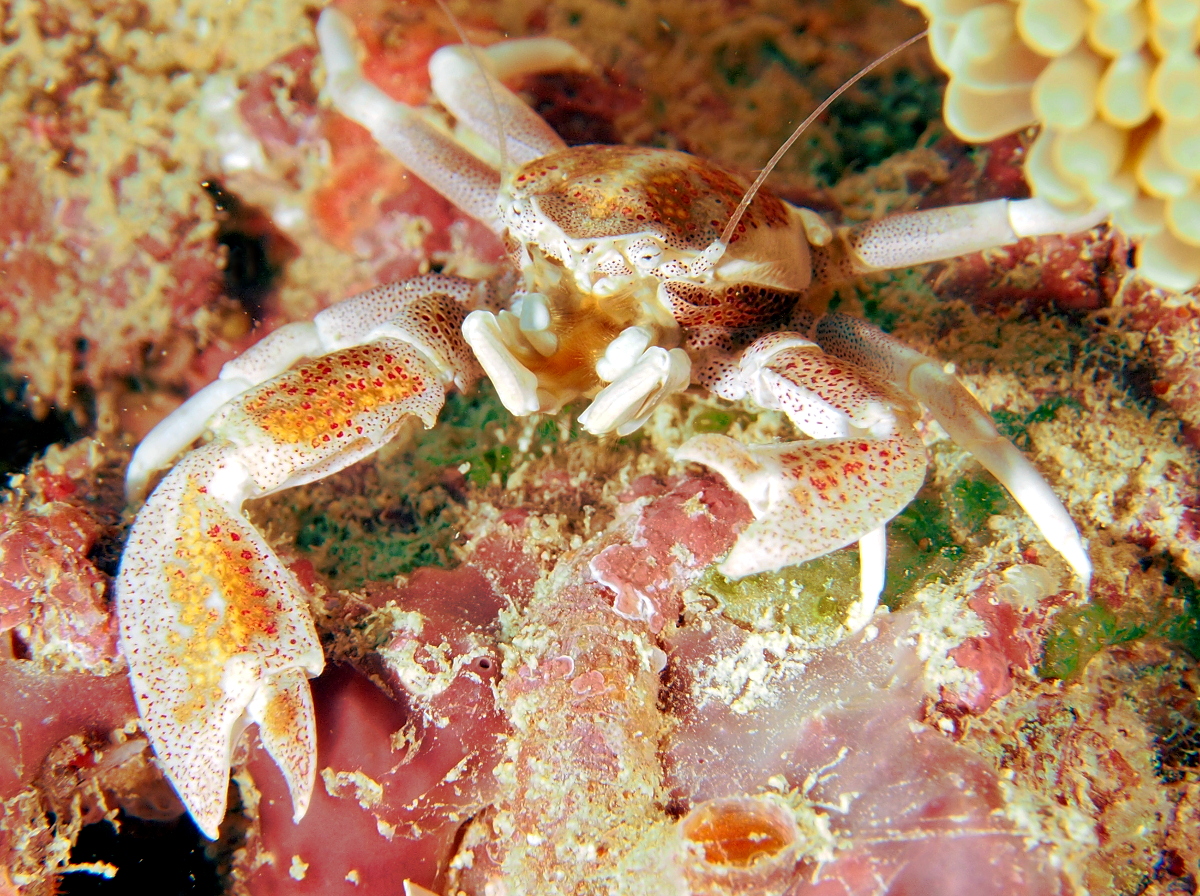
408,736
49,589
672,539
1010,645
54,603
526,716
911,812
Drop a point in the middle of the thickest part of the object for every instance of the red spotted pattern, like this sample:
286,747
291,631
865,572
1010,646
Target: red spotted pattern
740,305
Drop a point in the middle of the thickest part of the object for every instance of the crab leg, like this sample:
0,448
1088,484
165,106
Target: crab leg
903,240
963,418
216,630
472,185
478,101
389,308
489,108
863,466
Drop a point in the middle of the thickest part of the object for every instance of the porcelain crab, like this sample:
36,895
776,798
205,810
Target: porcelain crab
639,273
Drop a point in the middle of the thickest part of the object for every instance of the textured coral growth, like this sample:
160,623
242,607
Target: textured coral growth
1113,84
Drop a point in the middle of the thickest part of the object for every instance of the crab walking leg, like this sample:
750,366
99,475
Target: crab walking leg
489,108
812,497
436,158
963,418
421,305
872,563
912,238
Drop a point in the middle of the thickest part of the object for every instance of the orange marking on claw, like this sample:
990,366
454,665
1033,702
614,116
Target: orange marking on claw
336,393
212,575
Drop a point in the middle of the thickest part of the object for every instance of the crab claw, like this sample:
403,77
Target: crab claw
215,628
809,497
863,465
217,634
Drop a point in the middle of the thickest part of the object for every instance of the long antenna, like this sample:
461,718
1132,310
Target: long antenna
487,82
714,252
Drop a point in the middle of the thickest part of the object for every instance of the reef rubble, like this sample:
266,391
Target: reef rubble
535,675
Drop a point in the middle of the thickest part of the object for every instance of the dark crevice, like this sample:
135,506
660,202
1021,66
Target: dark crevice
580,108
165,858
26,437
256,251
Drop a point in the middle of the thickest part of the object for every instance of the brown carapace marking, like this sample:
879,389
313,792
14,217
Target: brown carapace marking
593,192
739,305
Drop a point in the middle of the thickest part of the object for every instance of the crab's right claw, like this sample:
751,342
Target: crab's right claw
217,634
215,628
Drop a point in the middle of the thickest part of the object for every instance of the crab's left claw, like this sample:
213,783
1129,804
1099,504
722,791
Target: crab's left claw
217,635
863,466
808,497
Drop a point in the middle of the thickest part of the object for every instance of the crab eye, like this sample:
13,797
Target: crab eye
671,270
645,253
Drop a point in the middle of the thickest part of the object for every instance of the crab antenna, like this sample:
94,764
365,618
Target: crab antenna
487,82
714,252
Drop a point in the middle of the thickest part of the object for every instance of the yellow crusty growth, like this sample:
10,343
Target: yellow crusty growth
112,115
1115,85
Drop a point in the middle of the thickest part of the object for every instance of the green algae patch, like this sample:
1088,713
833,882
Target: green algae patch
405,507
1015,427
711,421
807,600
811,598
974,499
704,418
1184,628
921,548
878,118
1079,633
